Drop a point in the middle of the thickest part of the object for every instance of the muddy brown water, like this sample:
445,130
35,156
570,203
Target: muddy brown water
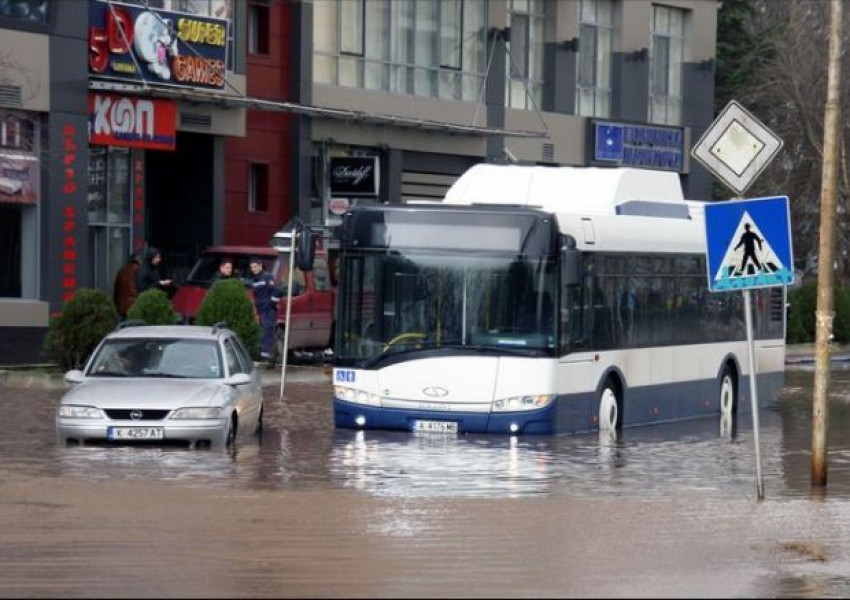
309,511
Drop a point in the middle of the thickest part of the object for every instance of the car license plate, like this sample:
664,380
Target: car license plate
135,433
435,426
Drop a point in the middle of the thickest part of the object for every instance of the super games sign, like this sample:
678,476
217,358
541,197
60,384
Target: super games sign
643,146
134,43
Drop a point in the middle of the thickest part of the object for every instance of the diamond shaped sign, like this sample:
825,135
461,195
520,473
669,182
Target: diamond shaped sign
736,147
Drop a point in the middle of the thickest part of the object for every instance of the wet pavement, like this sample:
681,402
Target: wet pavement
306,510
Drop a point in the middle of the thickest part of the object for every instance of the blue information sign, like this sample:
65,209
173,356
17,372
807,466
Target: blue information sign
748,244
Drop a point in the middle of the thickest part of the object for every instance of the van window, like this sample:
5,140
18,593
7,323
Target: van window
321,278
281,276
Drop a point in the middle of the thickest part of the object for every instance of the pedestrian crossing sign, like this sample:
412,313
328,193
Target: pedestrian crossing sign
748,244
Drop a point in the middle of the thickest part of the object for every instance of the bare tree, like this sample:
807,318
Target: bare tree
788,92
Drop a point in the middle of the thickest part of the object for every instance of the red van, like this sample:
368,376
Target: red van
312,313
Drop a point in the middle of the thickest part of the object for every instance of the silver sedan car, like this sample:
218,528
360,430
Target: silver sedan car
161,384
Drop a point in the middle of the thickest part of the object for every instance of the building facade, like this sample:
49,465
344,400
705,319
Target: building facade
184,123
548,82
112,140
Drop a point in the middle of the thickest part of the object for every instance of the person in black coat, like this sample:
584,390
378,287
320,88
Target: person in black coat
266,296
148,275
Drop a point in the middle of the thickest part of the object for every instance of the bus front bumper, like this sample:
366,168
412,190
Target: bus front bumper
348,415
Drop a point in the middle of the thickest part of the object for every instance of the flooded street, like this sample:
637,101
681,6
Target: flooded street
664,511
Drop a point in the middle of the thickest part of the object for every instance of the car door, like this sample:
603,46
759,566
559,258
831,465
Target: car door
256,385
242,396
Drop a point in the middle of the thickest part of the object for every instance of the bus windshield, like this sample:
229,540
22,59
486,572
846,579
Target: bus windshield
393,301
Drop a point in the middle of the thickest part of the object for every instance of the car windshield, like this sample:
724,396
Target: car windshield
207,267
148,357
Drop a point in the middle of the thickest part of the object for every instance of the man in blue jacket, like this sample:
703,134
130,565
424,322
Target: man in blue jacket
266,297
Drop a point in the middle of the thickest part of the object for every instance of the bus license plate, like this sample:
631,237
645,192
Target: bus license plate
135,433
435,426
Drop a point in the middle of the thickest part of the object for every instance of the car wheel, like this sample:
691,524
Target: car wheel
259,428
230,434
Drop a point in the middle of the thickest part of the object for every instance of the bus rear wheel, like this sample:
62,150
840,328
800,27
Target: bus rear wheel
609,407
728,399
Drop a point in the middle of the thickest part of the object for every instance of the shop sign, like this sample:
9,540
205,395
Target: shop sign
354,176
135,43
20,181
132,121
642,146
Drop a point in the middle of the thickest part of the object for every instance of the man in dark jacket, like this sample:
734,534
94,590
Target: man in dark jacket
124,292
266,296
148,275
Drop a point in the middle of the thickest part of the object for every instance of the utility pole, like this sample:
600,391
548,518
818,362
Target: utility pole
826,250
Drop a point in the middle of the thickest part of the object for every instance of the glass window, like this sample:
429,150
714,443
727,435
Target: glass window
430,48
321,278
400,301
118,186
109,213
151,357
258,29
26,10
667,55
258,188
244,355
451,25
234,366
596,41
351,27
525,54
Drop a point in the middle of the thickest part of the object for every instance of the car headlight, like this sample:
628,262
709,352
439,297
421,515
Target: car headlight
357,396
516,403
197,412
76,411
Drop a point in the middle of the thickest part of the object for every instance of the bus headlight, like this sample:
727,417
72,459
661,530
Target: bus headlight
356,396
517,403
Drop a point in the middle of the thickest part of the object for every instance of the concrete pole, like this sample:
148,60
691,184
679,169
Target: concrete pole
826,250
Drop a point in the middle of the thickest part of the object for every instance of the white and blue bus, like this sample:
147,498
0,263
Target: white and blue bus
535,300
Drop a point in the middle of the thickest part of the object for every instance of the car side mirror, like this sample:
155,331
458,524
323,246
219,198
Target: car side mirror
238,379
75,376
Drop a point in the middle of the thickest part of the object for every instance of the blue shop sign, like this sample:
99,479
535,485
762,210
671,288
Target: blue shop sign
644,146
134,43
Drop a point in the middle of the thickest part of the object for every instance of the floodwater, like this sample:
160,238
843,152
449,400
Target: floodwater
307,511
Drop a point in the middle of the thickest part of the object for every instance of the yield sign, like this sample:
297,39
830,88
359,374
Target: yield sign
748,244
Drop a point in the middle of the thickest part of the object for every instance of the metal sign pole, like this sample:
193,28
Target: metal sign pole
754,402
288,313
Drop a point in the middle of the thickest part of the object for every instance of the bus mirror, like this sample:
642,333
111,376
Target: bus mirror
571,263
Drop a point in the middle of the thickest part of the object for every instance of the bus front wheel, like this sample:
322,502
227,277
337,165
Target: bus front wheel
609,409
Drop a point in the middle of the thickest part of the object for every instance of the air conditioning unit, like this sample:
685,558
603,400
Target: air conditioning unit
10,186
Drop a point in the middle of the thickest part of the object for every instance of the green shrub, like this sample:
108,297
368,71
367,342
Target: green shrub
84,321
154,308
227,301
801,314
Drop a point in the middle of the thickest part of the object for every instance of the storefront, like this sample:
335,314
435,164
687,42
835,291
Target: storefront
20,195
153,160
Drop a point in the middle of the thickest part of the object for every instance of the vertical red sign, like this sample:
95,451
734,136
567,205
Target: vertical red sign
70,179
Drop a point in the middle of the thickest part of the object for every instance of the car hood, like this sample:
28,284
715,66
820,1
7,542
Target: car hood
146,393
